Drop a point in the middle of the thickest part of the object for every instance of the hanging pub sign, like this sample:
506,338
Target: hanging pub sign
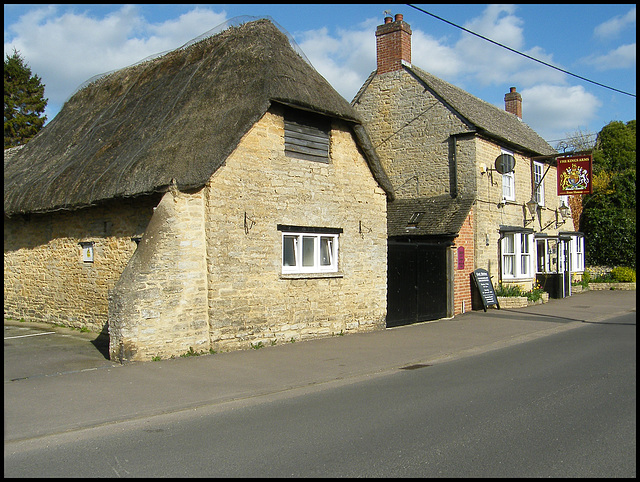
574,175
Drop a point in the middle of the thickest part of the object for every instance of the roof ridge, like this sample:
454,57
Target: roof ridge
509,127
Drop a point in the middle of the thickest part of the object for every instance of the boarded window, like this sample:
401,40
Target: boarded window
306,136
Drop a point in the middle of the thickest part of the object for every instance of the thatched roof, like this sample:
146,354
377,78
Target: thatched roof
176,117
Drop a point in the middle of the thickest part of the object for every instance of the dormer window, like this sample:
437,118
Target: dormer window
415,219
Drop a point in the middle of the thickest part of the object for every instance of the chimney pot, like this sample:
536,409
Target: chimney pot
399,17
388,20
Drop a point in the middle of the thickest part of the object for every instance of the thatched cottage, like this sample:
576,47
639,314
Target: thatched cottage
220,196
454,210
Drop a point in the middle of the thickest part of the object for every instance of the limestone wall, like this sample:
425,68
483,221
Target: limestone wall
490,213
411,131
158,307
45,277
206,273
250,301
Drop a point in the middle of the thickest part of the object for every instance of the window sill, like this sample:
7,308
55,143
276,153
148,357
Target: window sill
311,275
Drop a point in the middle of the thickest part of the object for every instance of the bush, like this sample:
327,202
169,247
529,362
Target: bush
535,294
624,274
604,278
514,290
601,226
586,277
509,290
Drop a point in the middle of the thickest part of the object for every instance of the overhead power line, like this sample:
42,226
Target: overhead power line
523,54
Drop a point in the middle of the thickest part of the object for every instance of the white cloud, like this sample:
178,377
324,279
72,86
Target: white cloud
557,109
476,61
499,24
433,56
623,57
344,59
67,48
611,28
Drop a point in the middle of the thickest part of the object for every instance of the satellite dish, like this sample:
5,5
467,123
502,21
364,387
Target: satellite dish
505,163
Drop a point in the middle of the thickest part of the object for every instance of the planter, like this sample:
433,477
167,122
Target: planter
612,286
520,301
512,301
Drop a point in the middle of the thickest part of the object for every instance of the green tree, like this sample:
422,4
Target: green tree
24,102
609,213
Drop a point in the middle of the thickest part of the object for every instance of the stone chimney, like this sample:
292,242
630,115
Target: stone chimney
393,43
513,102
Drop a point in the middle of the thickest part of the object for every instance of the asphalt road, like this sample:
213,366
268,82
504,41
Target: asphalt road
563,405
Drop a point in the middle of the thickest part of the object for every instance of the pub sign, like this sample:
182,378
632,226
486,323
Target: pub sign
574,175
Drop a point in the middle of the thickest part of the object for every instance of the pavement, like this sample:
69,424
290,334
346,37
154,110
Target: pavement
58,380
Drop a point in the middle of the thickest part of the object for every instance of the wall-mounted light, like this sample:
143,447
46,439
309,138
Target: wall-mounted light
532,207
564,214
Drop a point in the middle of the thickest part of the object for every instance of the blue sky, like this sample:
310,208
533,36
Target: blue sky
68,44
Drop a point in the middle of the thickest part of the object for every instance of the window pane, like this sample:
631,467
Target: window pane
506,186
538,173
326,251
524,266
508,244
542,257
508,255
308,251
508,265
289,251
525,243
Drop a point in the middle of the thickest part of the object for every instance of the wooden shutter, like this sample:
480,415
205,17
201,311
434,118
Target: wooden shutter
306,136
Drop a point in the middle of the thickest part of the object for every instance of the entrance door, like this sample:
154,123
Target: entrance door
564,266
417,283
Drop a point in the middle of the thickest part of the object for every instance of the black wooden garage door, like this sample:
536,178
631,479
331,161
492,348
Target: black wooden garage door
417,283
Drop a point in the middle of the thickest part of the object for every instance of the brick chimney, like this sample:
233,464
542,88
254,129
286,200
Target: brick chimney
513,102
393,43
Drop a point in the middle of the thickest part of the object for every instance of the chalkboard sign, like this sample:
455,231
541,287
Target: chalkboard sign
485,288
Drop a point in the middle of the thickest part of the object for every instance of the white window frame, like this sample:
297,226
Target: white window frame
538,176
517,253
577,253
525,255
508,187
309,252
508,182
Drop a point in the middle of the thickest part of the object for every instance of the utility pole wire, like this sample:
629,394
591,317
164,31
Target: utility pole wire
520,53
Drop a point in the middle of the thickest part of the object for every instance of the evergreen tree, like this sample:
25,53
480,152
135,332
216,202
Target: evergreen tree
609,213
24,102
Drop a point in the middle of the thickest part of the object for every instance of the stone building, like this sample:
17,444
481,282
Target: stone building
217,197
456,208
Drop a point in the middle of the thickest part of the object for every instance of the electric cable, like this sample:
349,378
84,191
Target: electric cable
523,54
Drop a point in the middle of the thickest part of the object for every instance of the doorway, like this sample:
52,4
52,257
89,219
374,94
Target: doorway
417,288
